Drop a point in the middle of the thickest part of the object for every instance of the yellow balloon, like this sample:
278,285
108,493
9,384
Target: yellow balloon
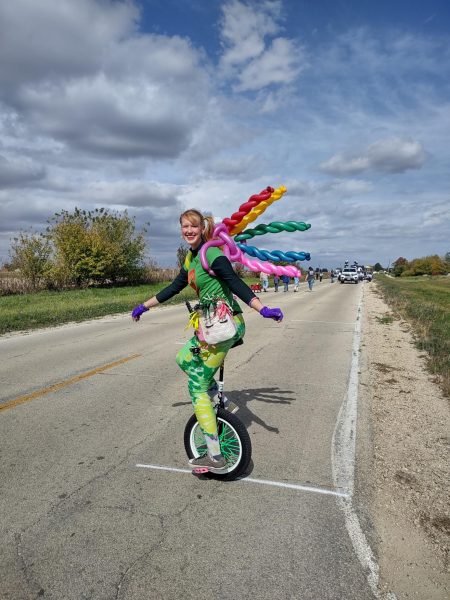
258,210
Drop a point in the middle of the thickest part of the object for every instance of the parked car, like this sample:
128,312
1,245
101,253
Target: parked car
349,276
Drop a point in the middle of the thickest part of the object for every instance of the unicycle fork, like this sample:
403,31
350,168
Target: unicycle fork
234,440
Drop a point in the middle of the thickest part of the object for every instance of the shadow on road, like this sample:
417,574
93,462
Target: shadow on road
271,395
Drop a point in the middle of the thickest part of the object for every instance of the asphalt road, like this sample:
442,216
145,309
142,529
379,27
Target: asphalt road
83,405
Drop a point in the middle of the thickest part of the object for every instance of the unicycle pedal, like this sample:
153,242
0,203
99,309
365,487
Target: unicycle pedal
200,470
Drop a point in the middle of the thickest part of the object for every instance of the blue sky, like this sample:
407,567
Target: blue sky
161,105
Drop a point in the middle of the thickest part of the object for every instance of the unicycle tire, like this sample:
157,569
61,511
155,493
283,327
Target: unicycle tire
235,443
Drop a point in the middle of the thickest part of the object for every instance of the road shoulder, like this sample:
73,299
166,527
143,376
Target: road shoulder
402,457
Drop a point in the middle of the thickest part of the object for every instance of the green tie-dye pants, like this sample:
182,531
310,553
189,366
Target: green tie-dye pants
200,370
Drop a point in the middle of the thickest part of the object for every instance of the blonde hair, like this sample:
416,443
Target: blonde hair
196,218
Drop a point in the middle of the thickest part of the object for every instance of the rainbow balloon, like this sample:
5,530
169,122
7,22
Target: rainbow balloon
258,210
274,227
274,254
245,208
236,251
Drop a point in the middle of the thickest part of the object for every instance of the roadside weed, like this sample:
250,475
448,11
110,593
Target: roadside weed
425,303
385,319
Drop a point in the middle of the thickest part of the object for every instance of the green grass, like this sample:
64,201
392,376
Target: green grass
425,303
385,320
43,309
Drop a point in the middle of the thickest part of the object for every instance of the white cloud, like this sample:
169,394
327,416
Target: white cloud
278,65
438,216
106,117
96,111
395,155
348,187
340,164
249,60
86,78
58,39
19,172
131,194
233,167
244,29
391,155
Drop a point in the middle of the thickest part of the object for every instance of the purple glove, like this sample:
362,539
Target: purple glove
271,313
137,312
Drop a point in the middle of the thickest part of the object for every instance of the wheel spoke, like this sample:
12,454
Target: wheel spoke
230,445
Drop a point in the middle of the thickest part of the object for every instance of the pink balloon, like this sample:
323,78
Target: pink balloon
204,248
235,254
269,268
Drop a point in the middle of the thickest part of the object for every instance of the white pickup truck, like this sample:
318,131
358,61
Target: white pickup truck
349,275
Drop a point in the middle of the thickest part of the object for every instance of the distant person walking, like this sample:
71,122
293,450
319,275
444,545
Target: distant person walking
332,275
310,278
320,275
276,281
296,282
264,280
285,279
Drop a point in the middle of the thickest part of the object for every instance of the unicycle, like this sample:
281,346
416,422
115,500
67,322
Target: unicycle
235,443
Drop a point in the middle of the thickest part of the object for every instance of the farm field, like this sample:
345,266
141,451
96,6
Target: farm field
20,312
425,303
405,466
43,309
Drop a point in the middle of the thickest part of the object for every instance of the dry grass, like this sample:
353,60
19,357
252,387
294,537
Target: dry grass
425,303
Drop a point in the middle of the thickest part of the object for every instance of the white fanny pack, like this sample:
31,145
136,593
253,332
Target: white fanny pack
216,325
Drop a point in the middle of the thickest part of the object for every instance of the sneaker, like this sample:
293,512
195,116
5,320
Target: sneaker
206,462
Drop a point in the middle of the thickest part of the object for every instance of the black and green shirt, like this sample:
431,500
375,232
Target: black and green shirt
208,288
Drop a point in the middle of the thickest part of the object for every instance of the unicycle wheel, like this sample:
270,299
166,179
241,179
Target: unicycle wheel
235,444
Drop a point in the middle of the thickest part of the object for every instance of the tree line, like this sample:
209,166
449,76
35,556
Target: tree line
80,248
427,265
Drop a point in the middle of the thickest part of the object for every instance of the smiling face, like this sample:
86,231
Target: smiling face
191,230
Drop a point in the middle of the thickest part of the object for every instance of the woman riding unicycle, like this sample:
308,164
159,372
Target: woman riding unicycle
218,323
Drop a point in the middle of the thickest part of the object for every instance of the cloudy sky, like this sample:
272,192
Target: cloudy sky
155,106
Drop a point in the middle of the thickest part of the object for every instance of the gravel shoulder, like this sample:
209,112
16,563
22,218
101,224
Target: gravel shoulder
403,443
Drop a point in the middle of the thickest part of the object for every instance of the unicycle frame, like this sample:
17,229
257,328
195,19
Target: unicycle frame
220,381
233,433
221,385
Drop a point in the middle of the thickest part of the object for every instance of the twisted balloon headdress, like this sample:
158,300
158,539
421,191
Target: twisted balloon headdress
235,249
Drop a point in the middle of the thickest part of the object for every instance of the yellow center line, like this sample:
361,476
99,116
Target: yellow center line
63,384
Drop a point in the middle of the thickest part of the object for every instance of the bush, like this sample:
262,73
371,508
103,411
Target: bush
96,246
30,255
80,249
429,265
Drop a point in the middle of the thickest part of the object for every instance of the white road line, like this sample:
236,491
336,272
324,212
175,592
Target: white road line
343,451
292,486
326,322
161,468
